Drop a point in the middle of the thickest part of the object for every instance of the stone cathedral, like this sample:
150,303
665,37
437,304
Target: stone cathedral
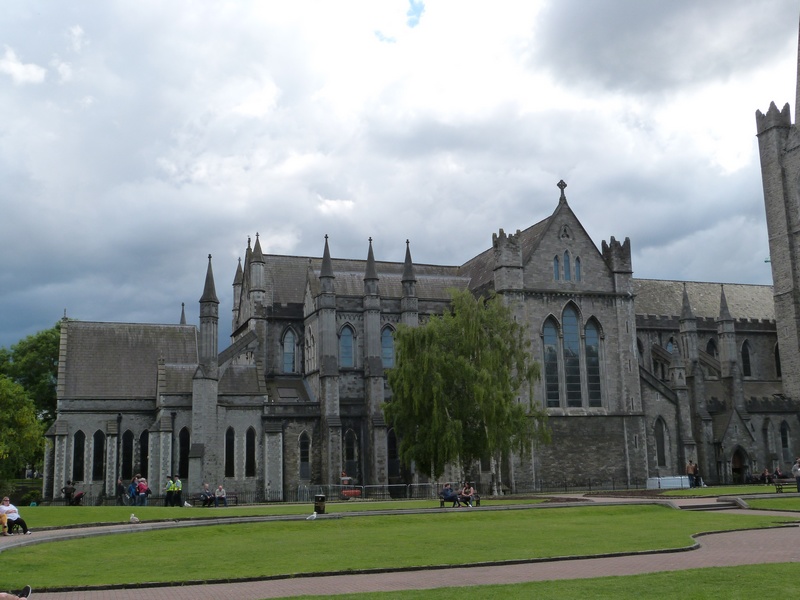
638,376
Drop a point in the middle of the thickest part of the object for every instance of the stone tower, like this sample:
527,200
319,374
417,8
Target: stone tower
779,149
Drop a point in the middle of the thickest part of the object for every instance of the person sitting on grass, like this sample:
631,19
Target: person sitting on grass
448,494
24,593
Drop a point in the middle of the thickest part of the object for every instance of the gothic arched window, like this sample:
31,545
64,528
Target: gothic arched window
230,456
785,449
777,362
746,370
289,352
98,455
305,456
577,269
661,442
144,453
556,269
567,273
711,348
78,449
183,452
572,357
387,348
550,338
346,350
250,453
127,455
592,343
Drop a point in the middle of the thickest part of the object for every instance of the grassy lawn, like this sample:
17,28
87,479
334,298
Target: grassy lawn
722,583
723,490
781,502
58,516
368,542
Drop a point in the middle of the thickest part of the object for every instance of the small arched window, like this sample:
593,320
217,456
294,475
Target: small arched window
746,370
567,272
289,352
78,449
305,456
98,455
183,452
387,348
577,269
661,442
127,455
250,453
230,456
346,354
556,269
785,448
144,453
711,348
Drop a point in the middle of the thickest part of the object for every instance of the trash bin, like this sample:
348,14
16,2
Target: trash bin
319,504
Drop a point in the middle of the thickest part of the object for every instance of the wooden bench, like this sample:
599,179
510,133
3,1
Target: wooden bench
233,499
476,501
782,483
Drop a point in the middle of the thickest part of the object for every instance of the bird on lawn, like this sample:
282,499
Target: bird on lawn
134,518
312,516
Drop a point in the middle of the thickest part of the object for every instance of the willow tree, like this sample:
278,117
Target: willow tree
456,387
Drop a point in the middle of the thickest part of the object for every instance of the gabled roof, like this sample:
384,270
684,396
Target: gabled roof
120,360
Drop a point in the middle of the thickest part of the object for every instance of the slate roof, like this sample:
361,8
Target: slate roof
120,360
665,297
287,274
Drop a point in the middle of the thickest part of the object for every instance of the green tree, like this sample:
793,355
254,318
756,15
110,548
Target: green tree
33,363
456,385
21,440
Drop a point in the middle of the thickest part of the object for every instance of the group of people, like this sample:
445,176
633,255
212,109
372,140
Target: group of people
215,497
11,519
138,491
466,495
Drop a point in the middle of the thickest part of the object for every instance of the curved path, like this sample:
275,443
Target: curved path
714,550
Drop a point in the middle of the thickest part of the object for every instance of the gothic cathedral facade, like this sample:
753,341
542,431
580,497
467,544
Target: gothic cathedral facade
638,376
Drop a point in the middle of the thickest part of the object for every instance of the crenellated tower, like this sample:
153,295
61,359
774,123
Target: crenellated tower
779,151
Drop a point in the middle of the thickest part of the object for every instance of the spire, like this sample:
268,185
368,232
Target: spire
408,266
327,265
183,313
237,279
561,184
371,273
258,256
209,291
724,313
686,311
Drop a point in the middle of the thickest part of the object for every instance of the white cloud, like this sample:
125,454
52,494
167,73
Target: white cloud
20,73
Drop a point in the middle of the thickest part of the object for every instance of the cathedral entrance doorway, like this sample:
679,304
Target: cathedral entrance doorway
739,466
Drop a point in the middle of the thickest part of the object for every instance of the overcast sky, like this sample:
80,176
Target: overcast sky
138,137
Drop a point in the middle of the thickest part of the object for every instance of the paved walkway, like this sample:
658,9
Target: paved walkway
713,550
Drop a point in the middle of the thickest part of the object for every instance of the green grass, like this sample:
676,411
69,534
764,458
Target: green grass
780,503
351,543
59,516
721,583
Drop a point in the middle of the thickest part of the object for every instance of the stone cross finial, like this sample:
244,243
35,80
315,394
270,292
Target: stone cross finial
561,186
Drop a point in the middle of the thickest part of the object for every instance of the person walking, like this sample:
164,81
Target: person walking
796,473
